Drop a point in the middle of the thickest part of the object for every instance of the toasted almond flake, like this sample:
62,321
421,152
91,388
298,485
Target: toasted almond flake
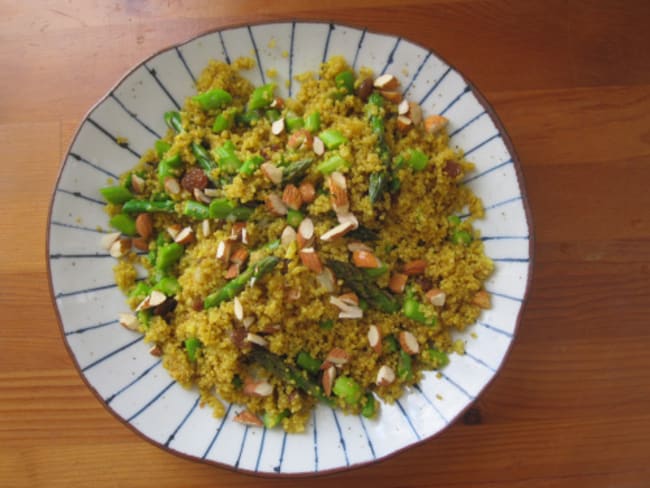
238,309
403,107
288,236
350,298
224,249
248,321
305,234
293,294
140,243
185,236
352,313
408,342
275,205
385,375
365,259
337,231
436,297
155,351
256,339
374,338
358,246
415,113
248,418
337,356
277,127
232,271
237,231
205,227
277,103
310,259
172,186
259,388
318,146
199,196
156,298
404,123
144,225
240,255
211,192
386,82
434,123
244,234
173,230
329,375
347,219
307,191
300,138
291,197
391,96
129,321
120,247
137,183
482,299
338,192
271,329
272,172
397,283
327,280
107,240
415,267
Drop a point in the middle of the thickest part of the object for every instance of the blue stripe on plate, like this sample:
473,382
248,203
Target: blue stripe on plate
408,419
390,59
435,85
85,290
465,91
112,397
293,31
134,116
187,68
241,446
466,124
223,47
338,427
503,295
495,238
315,443
356,54
458,387
494,205
495,329
278,468
78,256
327,41
152,401
154,75
481,144
257,54
77,227
112,137
479,361
178,428
93,165
78,194
259,453
510,260
417,72
487,171
216,434
111,354
428,400
365,431
90,327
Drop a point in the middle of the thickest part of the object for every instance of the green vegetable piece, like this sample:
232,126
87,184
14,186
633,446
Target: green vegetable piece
417,160
454,220
294,217
220,208
212,99
273,245
297,170
438,359
307,362
390,344
247,118
169,167
369,410
273,114
376,272
376,99
140,291
273,419
161,147
250,165
221,123
332,138
332,164
168,285
347,389
294,123
241,213
228,160
203,158
192,346
261,97
312,122
345,81
327,324
461,237
168,255
173,121
404,367
143,317
124,223
116,194
414,310
196,210
140,206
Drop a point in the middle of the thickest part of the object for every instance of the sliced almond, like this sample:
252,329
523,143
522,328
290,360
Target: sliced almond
272,172
256,339
259,388
337,231
232,271
385,375
185,236
350,299
244,234
404,123
293,294
339,193
173,230
275,205
248,321
288,236
318,146
205,227
307,191
337,356
156,298
358,246
374,338
291,197
327,280
482,299
107,240
299,139
239,256
347,311
224,249
140,243
172,186
329,375
120,247
277,127
434,123
238,231
155,351
365,259
386,82
415,267
137,183
408,342
397,283
403,107
278,103
248,418
415,113
129,321
391,96
200,196
348,219
211,192
305,235
310,259
238,309
436,297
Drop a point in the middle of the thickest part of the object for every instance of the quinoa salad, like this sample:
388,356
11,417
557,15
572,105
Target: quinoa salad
280,253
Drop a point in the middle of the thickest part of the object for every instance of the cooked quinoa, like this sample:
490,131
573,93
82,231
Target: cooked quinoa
299,250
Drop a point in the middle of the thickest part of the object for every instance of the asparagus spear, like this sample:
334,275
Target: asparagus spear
139,206
236,285
363,286
378,181
363,234
295,171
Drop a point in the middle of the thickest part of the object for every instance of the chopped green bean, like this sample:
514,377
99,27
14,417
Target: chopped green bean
438,359
220,208
273,114
295,171
294,122
227,158
116,194
404,367
124,223
192,346
222,122
173,121
261,97
376,272
250,165
271,420
345,81
140,291
294,217
212,99
347,389
247,118
417,159
168,255
369,410
162,147
332,138
241,213
203,158
169,167
454,220
307,362
140,206
144,316
196,210
168,285
390,344
312,122
461,237
417,311
332,164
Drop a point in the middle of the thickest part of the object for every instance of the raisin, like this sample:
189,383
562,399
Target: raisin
194,178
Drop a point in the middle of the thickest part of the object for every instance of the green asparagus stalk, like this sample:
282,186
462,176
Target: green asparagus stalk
295,171
378,181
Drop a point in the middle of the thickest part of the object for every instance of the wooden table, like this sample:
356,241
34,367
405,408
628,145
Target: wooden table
570,80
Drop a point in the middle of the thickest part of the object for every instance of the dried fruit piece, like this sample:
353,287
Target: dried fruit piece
386,82
194,178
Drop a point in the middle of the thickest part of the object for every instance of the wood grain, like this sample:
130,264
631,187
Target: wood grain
570,80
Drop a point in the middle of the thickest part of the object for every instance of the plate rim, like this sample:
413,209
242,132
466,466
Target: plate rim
330,22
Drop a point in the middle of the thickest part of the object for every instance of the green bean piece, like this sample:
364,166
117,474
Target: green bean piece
294,123
241,213
294,217
332,164
140,291
192,346
220,208
273,114
347,389
312,122
222,122
345,82
144,316
307,362
271,420
196,210
203,158
404,367
161,147
454,220
332,138
116,194
227,158
261,97
236,285
326,324
296,170
376,184
273,245
168,255
415,310
438,359
140,206
461,237
168,285
247,118
417,160
212,99
390,344
376,99
173,121
369,410
376,272
250,165
124,223
169,167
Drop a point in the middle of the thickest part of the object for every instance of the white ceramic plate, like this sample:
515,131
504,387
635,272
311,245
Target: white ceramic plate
115,362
